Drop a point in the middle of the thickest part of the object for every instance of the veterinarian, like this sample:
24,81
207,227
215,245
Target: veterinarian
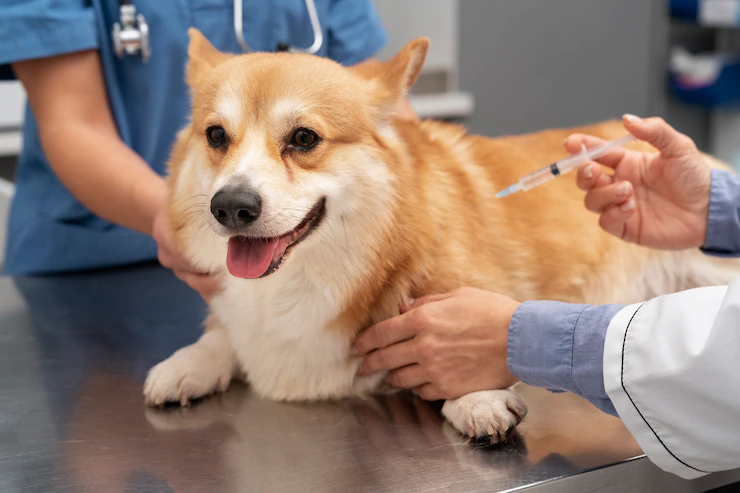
668,367
101,122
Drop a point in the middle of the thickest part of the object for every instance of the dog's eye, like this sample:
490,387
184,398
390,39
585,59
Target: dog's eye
304,139
216,136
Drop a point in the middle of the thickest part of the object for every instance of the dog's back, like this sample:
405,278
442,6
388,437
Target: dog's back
541,244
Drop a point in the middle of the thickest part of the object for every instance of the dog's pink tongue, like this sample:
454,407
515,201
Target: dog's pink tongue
248,259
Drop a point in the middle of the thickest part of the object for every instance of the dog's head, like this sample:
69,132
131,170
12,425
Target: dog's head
281,144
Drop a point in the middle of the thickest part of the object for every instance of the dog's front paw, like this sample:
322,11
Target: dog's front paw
490,414
192,372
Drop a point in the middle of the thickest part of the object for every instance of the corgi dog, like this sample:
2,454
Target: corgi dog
323,213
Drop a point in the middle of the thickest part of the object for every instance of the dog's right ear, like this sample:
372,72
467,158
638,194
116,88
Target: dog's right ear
392,79
203,57
403,69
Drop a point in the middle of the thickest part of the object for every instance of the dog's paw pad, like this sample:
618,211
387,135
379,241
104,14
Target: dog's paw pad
486,416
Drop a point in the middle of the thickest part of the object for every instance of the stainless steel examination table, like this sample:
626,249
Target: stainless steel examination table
74,351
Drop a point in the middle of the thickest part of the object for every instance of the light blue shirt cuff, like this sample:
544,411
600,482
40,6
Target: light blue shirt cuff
723,227
560,346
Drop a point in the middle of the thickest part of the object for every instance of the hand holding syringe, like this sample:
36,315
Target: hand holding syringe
565,165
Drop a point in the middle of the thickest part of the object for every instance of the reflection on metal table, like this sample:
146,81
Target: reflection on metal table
74,351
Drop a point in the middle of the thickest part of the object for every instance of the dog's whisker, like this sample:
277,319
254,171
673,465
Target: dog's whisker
197,204
346,236
199,208
196,196
186,217
195,236
328,237
322,230
304,211
191,211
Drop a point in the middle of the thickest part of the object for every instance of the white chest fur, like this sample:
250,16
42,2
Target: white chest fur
280,330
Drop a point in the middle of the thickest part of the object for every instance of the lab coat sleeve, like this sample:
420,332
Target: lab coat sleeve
32,29
671,369
356,32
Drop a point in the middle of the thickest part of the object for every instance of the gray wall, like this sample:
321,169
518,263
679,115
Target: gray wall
534,64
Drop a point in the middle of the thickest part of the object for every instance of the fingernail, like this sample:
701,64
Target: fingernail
407,306
623,189
632,118
628,206
589,171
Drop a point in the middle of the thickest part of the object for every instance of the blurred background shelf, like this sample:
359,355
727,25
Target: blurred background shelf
710,27
707,13
12,103
10,143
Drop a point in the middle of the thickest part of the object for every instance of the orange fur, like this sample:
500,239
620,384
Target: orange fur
409,212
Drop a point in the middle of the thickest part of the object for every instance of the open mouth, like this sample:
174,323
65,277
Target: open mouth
253,257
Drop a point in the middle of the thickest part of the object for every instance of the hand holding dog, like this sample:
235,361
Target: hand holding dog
170,256
443,346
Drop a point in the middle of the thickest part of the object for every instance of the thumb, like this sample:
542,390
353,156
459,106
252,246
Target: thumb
656,132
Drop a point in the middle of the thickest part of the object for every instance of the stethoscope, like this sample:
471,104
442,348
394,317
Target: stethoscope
131,35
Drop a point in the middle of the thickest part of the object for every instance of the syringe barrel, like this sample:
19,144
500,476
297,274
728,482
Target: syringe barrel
568,164
542,175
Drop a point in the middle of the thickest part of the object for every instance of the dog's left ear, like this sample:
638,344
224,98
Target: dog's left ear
203,57
394,78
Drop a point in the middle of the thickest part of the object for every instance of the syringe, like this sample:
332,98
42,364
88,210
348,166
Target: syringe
543,175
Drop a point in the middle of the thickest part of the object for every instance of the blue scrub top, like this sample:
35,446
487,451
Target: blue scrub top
49,231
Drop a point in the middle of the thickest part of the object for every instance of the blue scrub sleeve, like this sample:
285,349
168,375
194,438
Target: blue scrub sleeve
356,32
32,29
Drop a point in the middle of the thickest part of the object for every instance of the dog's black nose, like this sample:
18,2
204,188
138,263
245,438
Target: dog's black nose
236,207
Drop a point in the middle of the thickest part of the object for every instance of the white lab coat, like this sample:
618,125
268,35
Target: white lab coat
672,371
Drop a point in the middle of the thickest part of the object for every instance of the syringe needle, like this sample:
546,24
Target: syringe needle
508,190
